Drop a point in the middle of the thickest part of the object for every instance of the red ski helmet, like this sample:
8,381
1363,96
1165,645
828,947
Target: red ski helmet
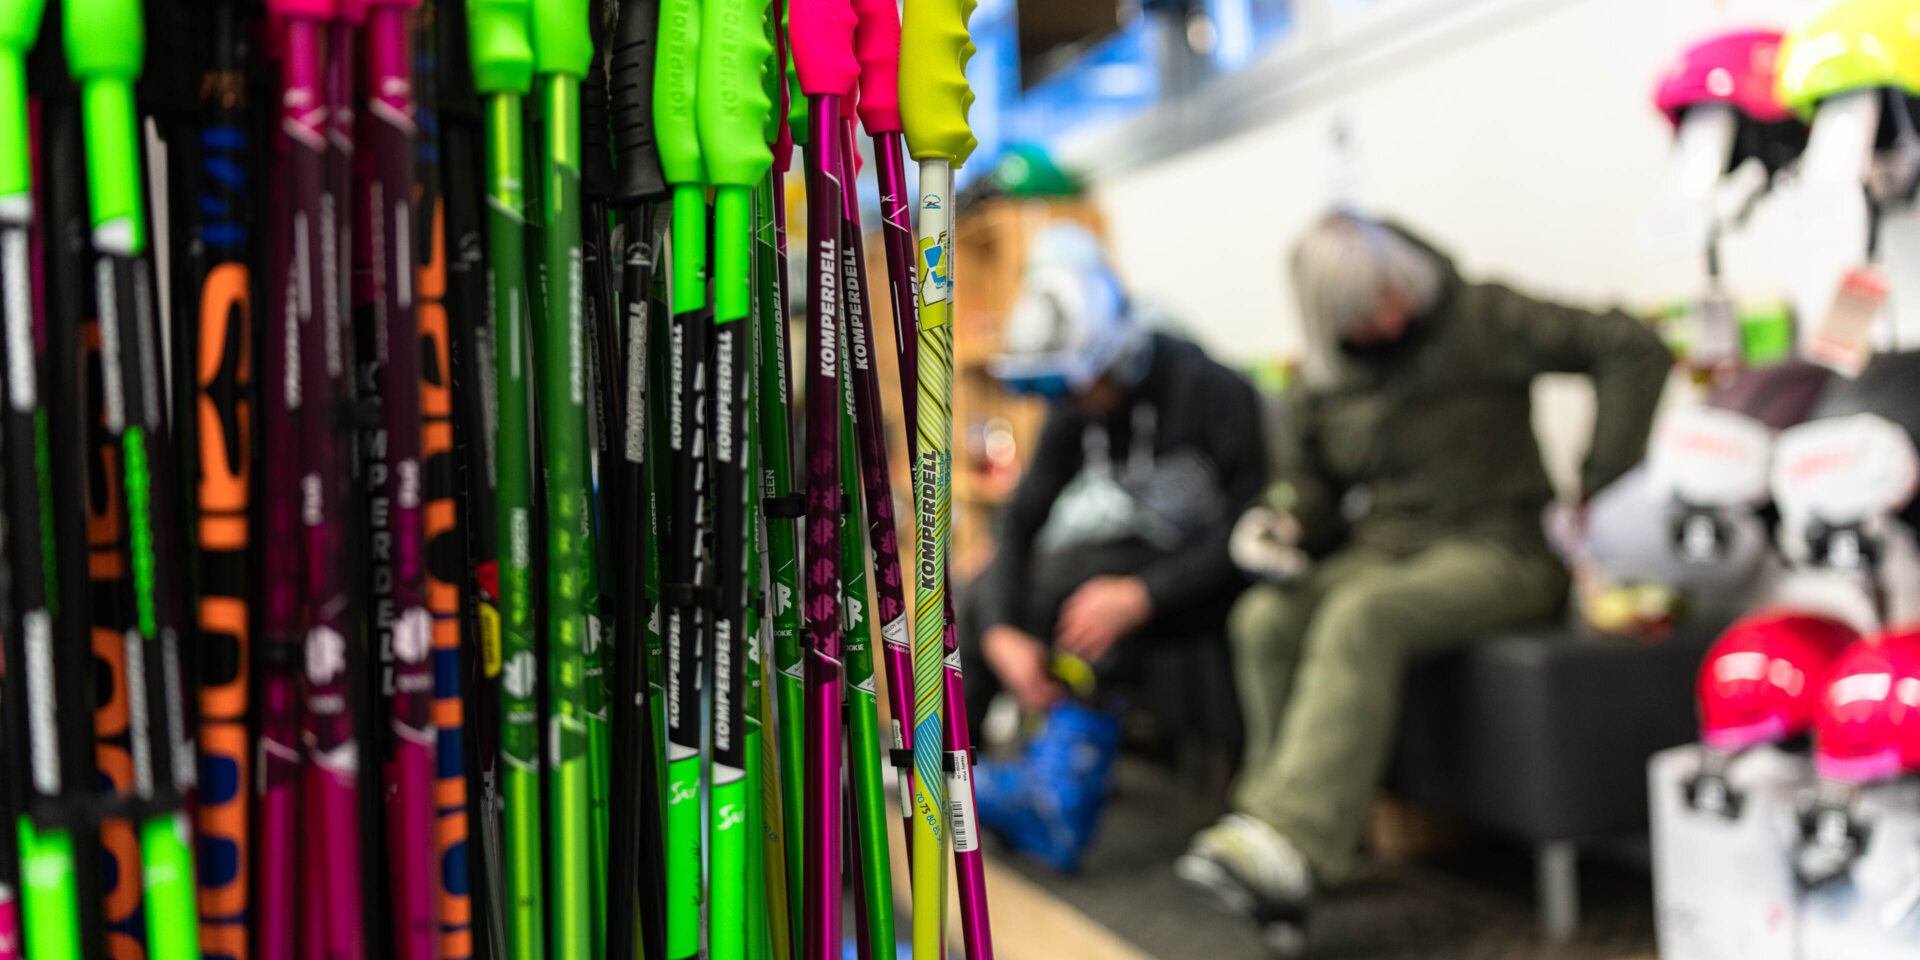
1868,726
1761,681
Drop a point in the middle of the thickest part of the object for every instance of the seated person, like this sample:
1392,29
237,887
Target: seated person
1116,536
1405,520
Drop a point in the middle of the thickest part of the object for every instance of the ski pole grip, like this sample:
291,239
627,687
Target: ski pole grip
561,42
105,39
675,79
304,9
823,47
637,173
796,100
732,106
934,96
774,77
596,159
19,25
501,46
876,44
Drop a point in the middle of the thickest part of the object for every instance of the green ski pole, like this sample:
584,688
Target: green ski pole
731,108
105,49
503,73
39,771
872,867
562,51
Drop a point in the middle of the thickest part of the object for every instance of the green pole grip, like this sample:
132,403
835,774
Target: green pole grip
675,96
934,96
796,99
502,46
19,25
732,107
106,43
561,41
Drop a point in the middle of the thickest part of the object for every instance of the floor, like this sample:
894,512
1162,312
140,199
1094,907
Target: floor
1125,904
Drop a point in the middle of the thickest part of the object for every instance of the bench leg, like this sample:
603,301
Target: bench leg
1556,882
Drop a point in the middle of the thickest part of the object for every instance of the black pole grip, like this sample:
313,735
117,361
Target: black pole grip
638,176
596,163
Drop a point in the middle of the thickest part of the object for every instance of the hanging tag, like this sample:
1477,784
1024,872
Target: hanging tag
1715,337
1842,341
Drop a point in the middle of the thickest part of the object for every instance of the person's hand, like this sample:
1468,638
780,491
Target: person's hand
1266,543
1020,660
1098,614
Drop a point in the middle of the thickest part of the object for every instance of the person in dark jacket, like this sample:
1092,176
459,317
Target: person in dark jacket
1116,536
1405,520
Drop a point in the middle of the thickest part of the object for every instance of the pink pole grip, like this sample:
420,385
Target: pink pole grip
304,9
876,44
355,11
823,47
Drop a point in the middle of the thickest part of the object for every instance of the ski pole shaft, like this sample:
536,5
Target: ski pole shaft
562,50
731,108
220,373
41,846
934,100
685,590
612,604
636,880
386,221
445,517
502,55
105,53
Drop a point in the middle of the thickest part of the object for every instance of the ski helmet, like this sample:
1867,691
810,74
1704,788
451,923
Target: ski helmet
1868,726
1072,323
1739,69
1886,388
1761,681
1838,482
1851,46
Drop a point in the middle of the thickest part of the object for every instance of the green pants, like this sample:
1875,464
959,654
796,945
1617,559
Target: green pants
1319,667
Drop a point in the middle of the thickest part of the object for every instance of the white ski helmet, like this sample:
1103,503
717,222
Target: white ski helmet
1072,323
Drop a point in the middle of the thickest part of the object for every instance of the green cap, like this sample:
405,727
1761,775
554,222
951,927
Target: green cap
676,121
502,50
561,40
733,106
19,25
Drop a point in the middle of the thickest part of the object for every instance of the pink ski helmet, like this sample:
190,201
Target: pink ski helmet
1739,68
1761,681
1868,726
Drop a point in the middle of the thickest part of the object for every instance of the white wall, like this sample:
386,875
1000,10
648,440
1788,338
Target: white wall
1530,150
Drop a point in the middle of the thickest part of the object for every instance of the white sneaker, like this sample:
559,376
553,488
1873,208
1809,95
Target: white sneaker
1249,868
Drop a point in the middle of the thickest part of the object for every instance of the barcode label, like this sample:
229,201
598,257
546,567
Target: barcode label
960,801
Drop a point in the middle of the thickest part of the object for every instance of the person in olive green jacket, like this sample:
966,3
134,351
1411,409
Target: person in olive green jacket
1405,520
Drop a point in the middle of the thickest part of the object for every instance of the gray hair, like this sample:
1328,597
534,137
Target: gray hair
1344,269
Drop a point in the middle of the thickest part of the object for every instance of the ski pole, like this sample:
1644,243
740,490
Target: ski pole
296,213
503,73
877,44
218,369
42,762
636,876
388,367
444,517
562,51
783,507
934,101
608,593
872,872
677,124
731,108
105,51
475,401
775,556
822,37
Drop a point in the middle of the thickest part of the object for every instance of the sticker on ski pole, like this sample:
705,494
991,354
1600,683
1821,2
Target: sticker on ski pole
960,801
938,281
